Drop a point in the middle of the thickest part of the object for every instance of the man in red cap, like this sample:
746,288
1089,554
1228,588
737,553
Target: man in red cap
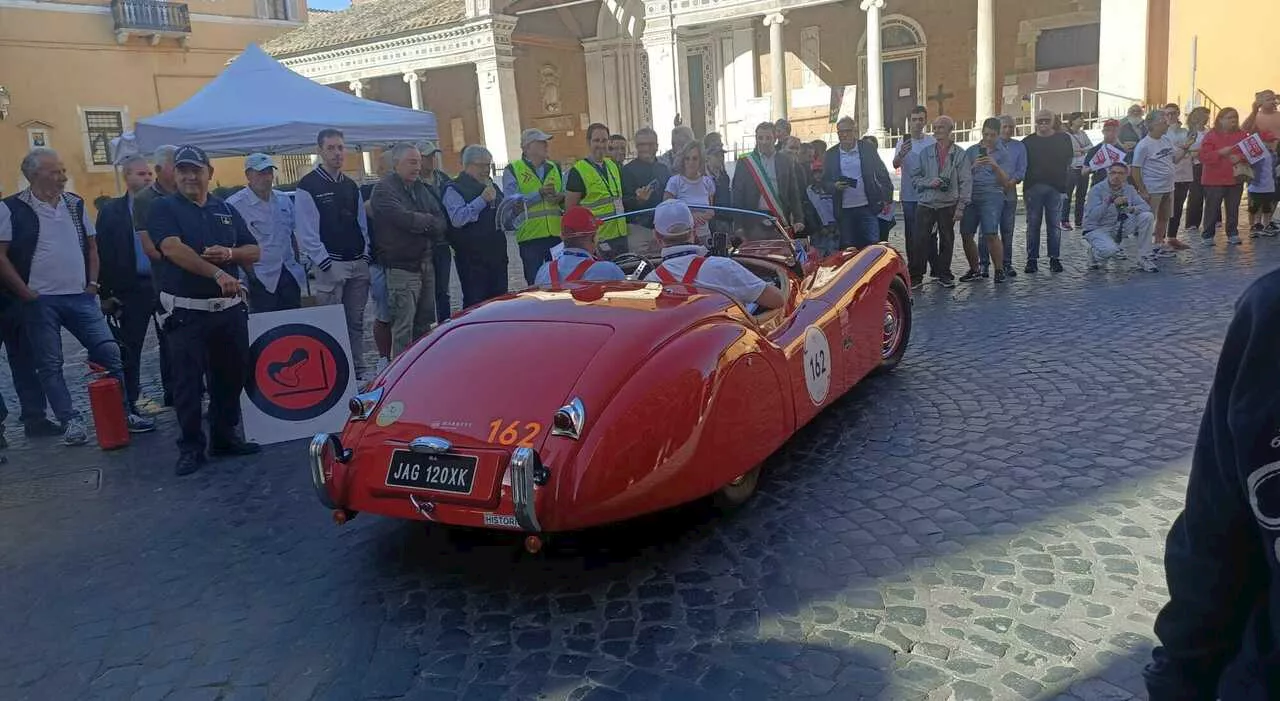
1110,135
578,261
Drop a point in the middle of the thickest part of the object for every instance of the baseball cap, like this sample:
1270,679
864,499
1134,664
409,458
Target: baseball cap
1111,123
192,155
258,162
426,148
672,218
529,136
578,221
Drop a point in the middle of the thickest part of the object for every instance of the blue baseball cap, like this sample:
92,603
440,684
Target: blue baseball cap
258,162
191,155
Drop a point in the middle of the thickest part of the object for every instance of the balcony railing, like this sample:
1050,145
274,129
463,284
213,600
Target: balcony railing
154,18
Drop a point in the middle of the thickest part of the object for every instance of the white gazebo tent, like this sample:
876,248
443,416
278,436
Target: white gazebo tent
259,105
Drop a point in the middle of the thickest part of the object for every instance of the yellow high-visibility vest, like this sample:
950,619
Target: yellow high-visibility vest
542,218
604,196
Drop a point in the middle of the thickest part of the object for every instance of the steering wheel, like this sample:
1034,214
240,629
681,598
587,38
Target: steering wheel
633,266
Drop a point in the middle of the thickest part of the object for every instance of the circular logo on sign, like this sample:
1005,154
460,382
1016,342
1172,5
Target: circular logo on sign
299,372
817,364
389,414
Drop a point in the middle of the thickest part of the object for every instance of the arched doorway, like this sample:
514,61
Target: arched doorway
618,68
903,50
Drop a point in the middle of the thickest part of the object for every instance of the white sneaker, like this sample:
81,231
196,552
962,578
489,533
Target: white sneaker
1233,240
1148,265
74,433
137,424
1093,260
1206,241
148,407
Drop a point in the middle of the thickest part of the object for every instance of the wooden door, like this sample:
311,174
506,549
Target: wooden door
899,92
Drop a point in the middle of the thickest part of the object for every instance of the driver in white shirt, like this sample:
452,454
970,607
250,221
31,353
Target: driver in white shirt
685,262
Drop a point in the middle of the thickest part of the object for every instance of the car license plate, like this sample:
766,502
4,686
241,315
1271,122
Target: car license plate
436,472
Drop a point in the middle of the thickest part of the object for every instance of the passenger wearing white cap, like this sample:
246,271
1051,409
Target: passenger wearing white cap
276,280
538,183
685,262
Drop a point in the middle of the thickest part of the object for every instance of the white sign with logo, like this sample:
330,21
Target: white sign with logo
300,374
1253,148
1106,157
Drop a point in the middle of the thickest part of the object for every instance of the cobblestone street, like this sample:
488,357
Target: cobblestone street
985,523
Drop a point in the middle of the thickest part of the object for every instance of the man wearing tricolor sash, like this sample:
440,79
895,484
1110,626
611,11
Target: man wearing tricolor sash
765,180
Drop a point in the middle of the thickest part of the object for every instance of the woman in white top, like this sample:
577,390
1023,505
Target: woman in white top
1078,182
1197,126
693,187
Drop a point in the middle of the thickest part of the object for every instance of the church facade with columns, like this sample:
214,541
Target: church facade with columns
488,68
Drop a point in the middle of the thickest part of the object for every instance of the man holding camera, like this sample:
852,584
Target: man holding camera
854,172
943,181
1113,209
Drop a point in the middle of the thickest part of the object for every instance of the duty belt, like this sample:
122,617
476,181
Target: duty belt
168,303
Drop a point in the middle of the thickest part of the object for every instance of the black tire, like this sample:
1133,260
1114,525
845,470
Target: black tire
738,492
900,297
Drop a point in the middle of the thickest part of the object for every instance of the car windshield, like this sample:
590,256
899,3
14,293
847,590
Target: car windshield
723,230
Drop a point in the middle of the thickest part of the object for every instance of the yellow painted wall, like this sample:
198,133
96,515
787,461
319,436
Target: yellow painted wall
1233,63
55,63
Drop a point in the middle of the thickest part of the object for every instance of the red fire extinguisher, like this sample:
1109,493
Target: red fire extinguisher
106,402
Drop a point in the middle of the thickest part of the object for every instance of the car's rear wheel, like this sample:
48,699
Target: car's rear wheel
739,491
897,325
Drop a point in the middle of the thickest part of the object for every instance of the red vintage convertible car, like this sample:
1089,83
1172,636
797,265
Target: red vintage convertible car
558,409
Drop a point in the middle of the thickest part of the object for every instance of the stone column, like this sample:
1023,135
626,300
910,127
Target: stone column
663,46
366,157
499,109
875,75
1122,52
415,89
777,67
985,80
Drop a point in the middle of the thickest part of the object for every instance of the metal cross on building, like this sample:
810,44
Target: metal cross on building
941,98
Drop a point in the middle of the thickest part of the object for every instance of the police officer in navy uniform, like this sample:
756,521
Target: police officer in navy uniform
204,241
1220,631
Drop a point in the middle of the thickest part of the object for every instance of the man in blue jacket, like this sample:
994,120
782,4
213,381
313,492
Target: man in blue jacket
1220,631
127,291
854,172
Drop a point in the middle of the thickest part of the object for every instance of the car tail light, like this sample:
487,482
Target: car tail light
363,404
569,419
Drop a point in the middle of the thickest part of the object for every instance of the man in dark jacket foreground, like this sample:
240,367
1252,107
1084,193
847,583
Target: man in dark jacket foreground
409,224
1220,631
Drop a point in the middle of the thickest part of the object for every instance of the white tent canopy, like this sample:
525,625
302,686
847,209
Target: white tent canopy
257,104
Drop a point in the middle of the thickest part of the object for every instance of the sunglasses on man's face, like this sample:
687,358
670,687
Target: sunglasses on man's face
844,131
1044,121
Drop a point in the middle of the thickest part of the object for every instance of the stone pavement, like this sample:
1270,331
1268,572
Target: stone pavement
986,523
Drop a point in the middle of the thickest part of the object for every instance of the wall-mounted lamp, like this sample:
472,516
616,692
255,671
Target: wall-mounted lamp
4,102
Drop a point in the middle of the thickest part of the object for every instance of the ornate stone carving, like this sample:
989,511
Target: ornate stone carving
549,79
868,4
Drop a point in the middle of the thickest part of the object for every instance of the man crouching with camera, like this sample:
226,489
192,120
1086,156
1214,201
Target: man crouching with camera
1113,210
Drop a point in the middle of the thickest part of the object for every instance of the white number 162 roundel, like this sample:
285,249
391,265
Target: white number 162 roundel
817,364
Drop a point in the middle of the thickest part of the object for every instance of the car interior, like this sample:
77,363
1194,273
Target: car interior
637,267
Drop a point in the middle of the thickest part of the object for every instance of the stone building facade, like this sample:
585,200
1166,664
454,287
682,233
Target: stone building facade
488,68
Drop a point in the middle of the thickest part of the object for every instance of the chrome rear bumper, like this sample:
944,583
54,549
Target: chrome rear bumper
523,468
315,460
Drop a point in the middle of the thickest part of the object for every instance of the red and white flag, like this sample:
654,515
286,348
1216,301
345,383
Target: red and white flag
1106,157
1253,148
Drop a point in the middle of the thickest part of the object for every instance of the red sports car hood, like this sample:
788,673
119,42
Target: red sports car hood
496,374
